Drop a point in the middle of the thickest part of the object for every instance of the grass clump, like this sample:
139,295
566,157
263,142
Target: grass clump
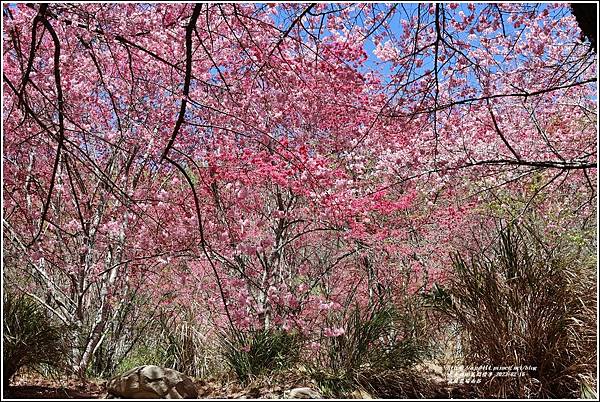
526,302
375,354
256,352
32,338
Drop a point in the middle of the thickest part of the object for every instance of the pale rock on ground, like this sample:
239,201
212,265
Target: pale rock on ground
152,382
302,393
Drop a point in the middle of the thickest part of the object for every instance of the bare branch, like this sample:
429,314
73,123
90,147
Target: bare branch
188,76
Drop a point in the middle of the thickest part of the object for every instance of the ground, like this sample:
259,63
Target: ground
35,386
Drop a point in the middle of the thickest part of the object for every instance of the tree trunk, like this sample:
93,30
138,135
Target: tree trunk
585,14
91,346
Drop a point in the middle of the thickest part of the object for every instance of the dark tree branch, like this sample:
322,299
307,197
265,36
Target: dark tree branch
189,30
38,18
285,35
61,124
587,19
523,94
203,243
540,164
499,132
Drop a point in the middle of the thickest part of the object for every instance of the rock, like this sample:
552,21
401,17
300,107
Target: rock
360,394
152,382
302,393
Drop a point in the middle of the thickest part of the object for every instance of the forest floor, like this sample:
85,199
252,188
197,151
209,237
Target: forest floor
35,386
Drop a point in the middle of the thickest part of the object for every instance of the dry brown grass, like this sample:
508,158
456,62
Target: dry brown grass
527,302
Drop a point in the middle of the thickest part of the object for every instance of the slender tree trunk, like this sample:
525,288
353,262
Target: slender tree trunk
92,343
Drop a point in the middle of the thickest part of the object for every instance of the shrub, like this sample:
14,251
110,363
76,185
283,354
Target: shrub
129,338
260,351
373,339
31,337
187,345
181,351
375,353
525,302
140,356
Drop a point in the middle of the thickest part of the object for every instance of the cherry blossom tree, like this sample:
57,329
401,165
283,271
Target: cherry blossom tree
276,163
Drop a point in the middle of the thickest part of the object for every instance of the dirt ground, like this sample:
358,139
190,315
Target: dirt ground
34,386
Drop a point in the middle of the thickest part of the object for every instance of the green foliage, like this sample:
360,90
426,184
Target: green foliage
525,301
180,348
140,356
372,339
184,346
129,337
256,352
379,343
31,337
169,338
587,389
